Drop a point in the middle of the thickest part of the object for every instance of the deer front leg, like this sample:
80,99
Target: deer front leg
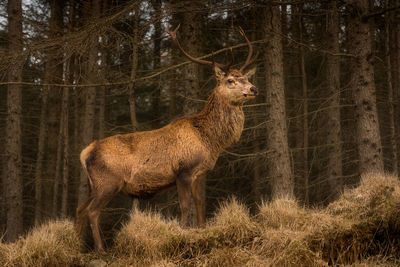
184,196
198,196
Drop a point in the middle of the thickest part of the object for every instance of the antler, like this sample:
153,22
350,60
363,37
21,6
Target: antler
249,59
232,60
248,62
200,61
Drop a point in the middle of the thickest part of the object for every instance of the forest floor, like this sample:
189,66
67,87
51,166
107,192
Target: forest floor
361,228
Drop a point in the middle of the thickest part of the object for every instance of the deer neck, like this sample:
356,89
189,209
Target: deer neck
220,123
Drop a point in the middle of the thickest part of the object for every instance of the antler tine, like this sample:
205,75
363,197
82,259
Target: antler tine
200,61
253,59
229,64
249,59
173,33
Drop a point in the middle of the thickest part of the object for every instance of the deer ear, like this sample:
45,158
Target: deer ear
251,72
219,74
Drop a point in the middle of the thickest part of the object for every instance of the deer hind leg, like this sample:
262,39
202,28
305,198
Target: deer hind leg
100,200
82,216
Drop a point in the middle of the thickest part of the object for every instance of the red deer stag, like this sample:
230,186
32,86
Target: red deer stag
181,153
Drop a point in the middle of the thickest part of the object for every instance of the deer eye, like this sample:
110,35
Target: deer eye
230,81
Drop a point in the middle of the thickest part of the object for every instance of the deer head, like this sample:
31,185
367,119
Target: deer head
233,84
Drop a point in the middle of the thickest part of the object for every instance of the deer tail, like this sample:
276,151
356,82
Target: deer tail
86,157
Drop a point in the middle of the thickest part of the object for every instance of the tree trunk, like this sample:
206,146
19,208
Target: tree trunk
131,86
56,181
62,152
77,110
389,81
156,63
258,181
40,157
172,88
90,104
298,136
333,138
279,163
65,138
13,160
363,87
135,45
68,78
173,84
305,111
102,106
191,36
53,74
395,68
102,90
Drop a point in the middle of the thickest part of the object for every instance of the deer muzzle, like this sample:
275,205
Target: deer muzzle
254,90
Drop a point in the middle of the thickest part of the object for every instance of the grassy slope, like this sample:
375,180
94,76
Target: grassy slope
361,228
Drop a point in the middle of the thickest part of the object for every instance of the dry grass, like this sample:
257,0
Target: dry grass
231,225
226,256
147,238
365,222
280,213
151,238
361,228
377,197
52,244
284,227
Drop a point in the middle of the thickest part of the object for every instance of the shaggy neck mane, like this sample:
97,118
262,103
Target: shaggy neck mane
220,123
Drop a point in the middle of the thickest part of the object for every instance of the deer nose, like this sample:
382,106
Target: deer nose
254,90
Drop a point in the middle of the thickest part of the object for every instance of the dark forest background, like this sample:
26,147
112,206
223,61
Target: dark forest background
74,71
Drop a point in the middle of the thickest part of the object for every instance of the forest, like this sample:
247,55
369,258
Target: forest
327,115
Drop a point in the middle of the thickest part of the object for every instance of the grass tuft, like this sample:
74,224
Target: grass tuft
146,236
282,213
232,224
52,244
365,222
377,196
